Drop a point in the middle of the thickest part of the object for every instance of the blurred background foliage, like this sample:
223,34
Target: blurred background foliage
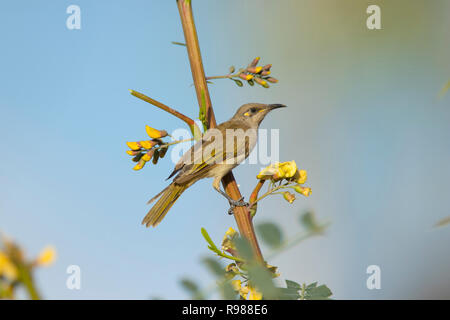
17,270
245,278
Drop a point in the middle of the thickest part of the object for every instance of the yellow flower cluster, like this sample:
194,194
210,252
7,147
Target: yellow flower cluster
144,151
289,171
253,73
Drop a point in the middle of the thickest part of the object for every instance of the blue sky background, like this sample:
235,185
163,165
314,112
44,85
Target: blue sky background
363,118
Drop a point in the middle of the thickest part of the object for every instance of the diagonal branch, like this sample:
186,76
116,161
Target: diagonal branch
191,123
241,214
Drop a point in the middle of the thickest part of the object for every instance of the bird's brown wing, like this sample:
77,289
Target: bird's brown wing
212,154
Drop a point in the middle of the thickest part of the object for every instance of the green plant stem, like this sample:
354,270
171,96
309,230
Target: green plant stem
271,191
228,76
196,132
27,280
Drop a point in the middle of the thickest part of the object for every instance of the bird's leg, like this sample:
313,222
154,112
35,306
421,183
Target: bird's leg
233,203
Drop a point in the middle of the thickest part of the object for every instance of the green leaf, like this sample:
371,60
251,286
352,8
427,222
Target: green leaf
238,82
288,294
191,287
211,246
227,291
317,293
244,249
293,285
308,220
270,233
251,82
214,266
261,279
232,69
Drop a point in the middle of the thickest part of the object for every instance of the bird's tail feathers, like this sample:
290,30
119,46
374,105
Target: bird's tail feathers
167,198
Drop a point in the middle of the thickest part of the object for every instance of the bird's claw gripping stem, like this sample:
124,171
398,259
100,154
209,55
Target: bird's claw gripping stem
237,203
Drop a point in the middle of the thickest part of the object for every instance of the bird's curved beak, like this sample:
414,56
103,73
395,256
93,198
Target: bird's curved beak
275,106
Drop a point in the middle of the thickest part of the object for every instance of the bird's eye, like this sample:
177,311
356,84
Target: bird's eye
253,110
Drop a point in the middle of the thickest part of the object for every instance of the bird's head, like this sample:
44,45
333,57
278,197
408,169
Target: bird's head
254,113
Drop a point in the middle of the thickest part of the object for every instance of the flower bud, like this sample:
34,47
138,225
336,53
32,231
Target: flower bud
254,69
267,67
262,82
137,157
148,156
238,82
245,76
134,145
301,176
162,151
290,197
254,62
265,73
147,144
155,134
155,156
302,190
133,153
139,165
273,80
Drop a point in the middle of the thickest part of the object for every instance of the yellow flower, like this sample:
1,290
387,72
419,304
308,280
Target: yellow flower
230,233
134,145
227,241
302,190
254,294
278,171
270,171
154,133
289,168
7,268
231,271
46,257
302,176
237,286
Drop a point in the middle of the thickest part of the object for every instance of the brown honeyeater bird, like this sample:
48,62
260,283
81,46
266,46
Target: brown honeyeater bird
218,151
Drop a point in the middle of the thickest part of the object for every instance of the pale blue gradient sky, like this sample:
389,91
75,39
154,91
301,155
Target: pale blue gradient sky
363,119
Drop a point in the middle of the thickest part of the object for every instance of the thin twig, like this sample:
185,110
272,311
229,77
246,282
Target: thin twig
191,123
